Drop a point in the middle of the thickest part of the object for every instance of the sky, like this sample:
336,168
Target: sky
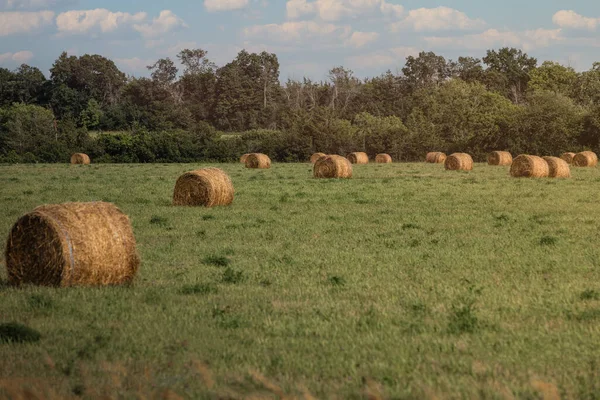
310,37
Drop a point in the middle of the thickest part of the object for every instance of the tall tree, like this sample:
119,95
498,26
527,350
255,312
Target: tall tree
513,67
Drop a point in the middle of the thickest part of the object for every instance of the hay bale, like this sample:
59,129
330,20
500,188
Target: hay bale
243,158
585,159
525,166
435,157
72,244
258,160
383,159
206,187
459,161
316,156
80,158
358,158
501,158
332,167
568,157
557,167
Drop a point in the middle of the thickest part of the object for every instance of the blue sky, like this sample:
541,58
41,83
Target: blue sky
309,36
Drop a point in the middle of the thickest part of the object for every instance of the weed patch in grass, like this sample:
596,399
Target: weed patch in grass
13,332
216,260
548,241
198,289
232,276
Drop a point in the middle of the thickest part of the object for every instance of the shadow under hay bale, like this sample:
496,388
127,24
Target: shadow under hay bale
258,160
244,157
358,158
72,244
206,187
316,156
383,158
435,157
332,167
557,167
526,166
459,162
585,159
80,158
568,157
500,158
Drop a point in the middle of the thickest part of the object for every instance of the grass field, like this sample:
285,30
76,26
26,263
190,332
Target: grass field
406,282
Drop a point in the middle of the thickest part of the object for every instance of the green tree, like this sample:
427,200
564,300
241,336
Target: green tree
513,67
553,77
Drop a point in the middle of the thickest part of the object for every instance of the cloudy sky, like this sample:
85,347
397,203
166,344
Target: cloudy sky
309,36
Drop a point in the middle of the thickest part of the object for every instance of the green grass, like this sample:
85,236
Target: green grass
406,280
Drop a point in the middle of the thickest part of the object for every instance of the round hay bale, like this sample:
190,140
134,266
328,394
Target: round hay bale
316,156
585,159
435,157
243,158
557,167
72,244
80,158
501,158
206,187
459,162
525,166
568,157
258,160
383,159
358,158
332,167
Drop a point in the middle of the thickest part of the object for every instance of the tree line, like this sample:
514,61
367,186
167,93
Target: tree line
191,109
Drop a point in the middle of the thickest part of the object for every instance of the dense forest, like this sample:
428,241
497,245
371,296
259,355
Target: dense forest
193,110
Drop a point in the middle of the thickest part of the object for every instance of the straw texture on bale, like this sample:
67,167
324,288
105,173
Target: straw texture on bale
72,244
585,159
501,158
459,162
358,158
525,166
383,159
243,158
332,167
568,157
557,167
435,157
316,156
80,158
206,187
258,160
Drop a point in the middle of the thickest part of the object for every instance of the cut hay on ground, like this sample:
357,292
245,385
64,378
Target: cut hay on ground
501,158
243,158
72,244
557,167
585,159
435,157
80,158
258,160
525,166
568,157
459,162
332,167
358,158
383,159
206,187
316,156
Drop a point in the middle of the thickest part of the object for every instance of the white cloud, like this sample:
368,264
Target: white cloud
386,58
360,39
165,22
19,57
84,21
437,19
29,4
294,31
494,38
334,10
571,20
133,64
12,22
224,5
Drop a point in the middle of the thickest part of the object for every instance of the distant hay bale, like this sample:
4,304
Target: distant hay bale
568,157
585,159
501,158
80,158
72,244
316,156
243,158
358,158
557,167
206,187
332,166
383,159
459,162
525,166
435,157
258,160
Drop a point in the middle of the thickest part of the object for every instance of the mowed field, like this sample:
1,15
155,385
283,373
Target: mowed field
407,281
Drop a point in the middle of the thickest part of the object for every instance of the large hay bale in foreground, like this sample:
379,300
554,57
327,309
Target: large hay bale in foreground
206,187
258,160
435,157
72,244
80,158
244,157
501,158
568,157
525,166
332,167
585,159
459,162
316,156
383,158
557,167
358,158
